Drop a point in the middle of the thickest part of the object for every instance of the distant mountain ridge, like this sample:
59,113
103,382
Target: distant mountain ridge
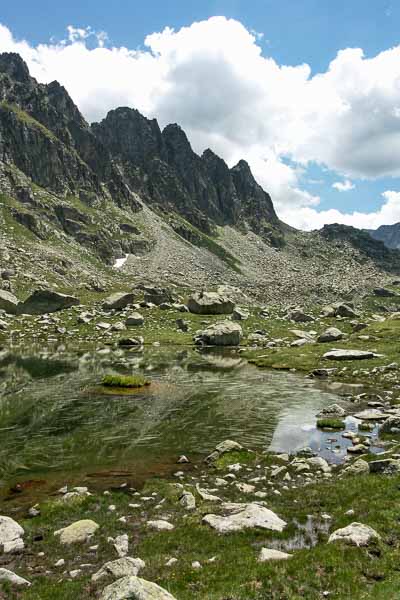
388,234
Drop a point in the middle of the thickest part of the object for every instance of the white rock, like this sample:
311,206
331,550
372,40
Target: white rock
245,488
171,562
80,531
60,563
6,575
205,495
121,545
11,534
135,588
122,567
196,564
271,554
188,501
244,516
355,534
160,525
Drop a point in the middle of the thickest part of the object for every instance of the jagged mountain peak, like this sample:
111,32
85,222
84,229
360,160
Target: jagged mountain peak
14,66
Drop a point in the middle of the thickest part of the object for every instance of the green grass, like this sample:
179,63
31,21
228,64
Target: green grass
194,236
343,571
28,119
125,381
330,423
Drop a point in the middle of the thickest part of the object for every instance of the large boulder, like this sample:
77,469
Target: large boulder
157,296
11,534
122,567
391,425
244,516
210,303
355,534
298,316
8,302
332,334
118,301
46,301
77,532
224,333
135,588
13,579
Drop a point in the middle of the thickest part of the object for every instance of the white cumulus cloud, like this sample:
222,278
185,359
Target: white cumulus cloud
343,186
212,78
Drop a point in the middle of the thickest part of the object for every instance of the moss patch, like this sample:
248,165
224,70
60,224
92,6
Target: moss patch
125,381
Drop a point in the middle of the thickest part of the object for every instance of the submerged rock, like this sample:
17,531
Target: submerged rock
355,534
244,516
135,588
210,303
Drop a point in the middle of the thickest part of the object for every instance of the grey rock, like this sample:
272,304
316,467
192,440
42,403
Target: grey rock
298,316
135,588
348,355
391,425
77,532
46,301
11,534
224,333
13,579
134,319
333,410
210,303
272,554
240,314
8,302
355,534
122,567
118,301
332,334
244,516
385,466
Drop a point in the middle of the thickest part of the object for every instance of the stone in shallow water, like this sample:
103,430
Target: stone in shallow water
135,588
122,567
355,534
244,516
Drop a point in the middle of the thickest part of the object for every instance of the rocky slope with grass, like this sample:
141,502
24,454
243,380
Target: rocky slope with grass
75,197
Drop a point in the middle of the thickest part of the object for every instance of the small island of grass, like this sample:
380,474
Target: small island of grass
125,381
330,423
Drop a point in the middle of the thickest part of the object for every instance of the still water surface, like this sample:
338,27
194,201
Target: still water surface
54,421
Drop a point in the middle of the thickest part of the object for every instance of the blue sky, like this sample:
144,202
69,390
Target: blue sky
294,32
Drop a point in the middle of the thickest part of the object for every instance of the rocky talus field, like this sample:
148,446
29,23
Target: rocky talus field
140,284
